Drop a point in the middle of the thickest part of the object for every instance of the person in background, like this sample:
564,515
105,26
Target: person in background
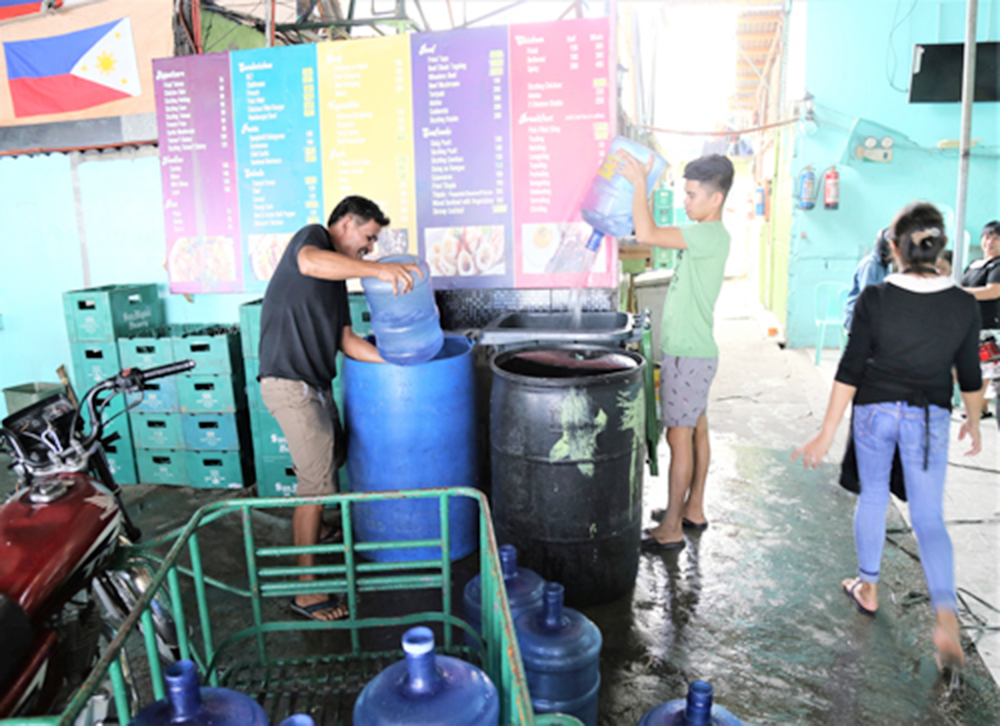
908,333
690,354
982,279
870,271
943,263
305,320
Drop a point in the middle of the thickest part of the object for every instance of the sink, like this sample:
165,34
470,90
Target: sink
598,328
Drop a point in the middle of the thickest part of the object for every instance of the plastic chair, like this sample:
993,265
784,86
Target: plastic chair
829,301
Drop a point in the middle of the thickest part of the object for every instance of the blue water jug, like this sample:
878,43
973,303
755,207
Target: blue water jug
608,205
524,589
187,704
561,650
406,326
695,710
427,689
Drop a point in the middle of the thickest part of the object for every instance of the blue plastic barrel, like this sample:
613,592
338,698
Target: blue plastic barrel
695,710
608,205
187,704
561,650
427,689
413,427
524,589
406,325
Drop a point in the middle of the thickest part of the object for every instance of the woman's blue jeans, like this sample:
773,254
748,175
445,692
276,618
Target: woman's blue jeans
878,429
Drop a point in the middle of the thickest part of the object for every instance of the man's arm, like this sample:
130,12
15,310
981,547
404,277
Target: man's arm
646,231
330,265
358,348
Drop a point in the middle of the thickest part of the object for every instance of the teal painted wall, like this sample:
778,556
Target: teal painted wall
44,242
849,71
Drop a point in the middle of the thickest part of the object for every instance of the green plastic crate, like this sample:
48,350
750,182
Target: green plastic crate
215,431
93,362
268,439
275,476
213,393
110,312
250,327
152,347
218,469
361,317
121,461
213,353
252,368
157,430
162,466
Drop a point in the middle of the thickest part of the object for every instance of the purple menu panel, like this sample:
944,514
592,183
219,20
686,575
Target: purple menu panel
198,165
461,121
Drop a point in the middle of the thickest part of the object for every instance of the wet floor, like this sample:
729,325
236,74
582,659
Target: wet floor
752,604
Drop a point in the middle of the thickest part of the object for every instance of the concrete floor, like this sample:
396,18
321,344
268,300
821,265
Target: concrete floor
753,604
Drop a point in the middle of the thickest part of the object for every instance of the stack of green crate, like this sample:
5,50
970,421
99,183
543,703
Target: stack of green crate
95,319
272,460
193,429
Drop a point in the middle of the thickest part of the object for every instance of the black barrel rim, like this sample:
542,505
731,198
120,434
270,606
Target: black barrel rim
594,379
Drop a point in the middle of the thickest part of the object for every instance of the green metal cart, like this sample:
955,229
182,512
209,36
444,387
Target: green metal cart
241,634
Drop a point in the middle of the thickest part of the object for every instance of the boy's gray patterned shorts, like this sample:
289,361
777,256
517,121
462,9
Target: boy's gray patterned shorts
684,384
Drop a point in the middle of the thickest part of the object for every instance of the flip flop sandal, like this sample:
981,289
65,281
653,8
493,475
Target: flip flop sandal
309,611
851,592
657,515
649,543
334,536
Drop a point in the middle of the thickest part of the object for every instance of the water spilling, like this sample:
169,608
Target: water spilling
577,263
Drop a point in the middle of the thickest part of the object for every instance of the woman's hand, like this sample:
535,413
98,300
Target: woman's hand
971,428
813,452
632,169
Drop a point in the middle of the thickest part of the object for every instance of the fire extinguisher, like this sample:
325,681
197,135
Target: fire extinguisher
807,188
831,188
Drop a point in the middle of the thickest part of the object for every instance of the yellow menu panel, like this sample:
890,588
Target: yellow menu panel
366,127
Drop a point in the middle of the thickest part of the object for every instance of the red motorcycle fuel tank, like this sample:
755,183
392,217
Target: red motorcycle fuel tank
45,545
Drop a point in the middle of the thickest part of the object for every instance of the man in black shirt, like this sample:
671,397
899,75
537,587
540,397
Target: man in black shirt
982,279
305,321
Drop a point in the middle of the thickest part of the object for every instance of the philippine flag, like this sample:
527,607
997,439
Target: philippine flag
74,71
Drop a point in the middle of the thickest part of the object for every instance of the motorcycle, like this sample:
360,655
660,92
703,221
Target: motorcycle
61,587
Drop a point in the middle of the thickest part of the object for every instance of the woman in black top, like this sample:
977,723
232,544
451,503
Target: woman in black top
907,334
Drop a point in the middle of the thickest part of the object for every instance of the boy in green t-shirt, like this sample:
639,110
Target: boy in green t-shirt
690,355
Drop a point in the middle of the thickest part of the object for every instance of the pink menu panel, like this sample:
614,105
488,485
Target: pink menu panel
562,121
194,113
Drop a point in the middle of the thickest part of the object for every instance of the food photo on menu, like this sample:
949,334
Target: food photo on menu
208,260
465,251
554,247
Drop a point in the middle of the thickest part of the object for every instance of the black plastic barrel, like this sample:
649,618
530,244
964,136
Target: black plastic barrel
567,428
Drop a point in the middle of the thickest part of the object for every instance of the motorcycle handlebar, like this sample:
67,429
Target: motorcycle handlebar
170,369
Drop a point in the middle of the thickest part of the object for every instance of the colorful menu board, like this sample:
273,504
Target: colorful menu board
478,144
561,110
461,119
198,167
277,153
367,131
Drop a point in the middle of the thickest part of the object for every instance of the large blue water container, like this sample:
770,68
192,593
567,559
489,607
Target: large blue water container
561,650
695,710
608,205
413,427
524,589
187,704
407,326
427,689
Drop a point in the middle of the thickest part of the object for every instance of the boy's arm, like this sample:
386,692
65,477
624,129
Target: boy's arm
646,231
